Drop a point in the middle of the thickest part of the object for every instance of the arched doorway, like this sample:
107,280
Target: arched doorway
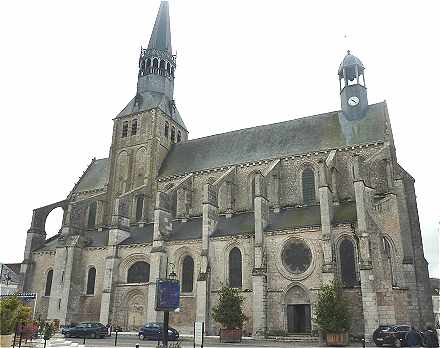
136,307
298,311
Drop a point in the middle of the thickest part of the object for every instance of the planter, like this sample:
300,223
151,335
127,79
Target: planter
337,339
6,340
230,335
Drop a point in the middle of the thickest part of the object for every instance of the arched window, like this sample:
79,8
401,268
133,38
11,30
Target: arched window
139,207
173,134
91,281
235,272
162,65
139,272
92,215
389,259
155,64
148,62
167,129
134,126
187,274
48,283
347,260
308,186
179,136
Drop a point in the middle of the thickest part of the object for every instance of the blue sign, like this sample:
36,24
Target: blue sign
167,294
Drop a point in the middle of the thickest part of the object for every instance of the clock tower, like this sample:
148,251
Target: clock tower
354,102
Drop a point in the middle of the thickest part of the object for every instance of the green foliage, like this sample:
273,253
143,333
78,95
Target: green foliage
332,314
229,311
47,331
12,312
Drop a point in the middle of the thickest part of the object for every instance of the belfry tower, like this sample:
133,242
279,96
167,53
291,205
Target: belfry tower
352,87
145,130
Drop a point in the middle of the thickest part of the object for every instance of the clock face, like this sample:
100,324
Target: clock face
353,101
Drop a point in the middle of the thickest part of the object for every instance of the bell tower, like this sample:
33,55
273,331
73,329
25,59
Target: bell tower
354,101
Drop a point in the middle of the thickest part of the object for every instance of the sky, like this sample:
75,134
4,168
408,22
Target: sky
68,67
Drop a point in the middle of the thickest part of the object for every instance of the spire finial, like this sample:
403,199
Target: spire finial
348,52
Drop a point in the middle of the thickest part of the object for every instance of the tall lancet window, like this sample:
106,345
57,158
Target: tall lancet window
48,283
308,186
139,207
235,269
347,261
187,274
91,281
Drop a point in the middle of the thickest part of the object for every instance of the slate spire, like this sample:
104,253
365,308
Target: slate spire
161,35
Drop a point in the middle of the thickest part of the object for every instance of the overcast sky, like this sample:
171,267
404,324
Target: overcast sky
68,67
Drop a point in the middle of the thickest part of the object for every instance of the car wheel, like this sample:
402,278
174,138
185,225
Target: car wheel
67,335
142,337
397,343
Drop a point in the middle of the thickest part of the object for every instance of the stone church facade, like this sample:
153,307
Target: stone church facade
275,211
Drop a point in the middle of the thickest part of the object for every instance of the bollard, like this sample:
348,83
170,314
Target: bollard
137,345
44,343
363,341
84,339
116,337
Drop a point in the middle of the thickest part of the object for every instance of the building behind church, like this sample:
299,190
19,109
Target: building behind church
275,211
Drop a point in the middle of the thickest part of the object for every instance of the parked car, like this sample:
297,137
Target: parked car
153,331
92,330
393,335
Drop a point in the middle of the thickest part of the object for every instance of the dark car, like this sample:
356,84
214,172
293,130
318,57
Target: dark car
92,330
393,335
154,331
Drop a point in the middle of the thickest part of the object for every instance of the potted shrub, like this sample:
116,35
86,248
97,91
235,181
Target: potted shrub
332,315
12,313
229,313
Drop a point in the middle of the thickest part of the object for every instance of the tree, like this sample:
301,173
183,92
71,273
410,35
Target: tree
12,313
229,311
332,314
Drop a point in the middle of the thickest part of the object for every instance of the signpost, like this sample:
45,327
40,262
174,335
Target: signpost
167,299
199,328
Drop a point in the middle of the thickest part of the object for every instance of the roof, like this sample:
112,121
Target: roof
147,100
95,239
350,61
161,35
302,135
95,177
243,223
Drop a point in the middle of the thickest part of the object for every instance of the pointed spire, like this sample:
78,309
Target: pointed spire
161,35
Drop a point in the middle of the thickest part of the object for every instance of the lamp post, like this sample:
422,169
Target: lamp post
166,314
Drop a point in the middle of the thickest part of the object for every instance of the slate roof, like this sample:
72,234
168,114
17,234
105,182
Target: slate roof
307,134
95,177
161,35
243,223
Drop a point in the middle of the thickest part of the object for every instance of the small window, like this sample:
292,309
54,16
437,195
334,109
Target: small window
139,207
48,283
235,270
187,274
92,215
125,129
134,127
173,134
179,136
308,186
91,281
167,129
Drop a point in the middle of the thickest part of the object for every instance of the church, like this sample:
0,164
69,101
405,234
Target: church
275,211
